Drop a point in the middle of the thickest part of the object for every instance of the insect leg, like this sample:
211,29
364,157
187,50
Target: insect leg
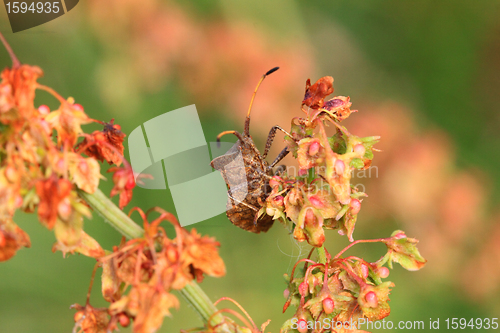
270,138
280,156
241,202
255,218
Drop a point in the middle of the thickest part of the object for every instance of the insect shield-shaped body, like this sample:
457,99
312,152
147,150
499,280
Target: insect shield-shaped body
247,175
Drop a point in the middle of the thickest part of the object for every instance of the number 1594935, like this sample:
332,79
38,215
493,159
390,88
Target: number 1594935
477,323
33,7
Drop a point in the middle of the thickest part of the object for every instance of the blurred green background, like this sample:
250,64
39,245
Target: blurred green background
439,61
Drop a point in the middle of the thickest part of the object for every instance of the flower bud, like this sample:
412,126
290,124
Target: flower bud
328,305
314,148
371,299
286,293
383,272
302,172
355,206
360,150
339,167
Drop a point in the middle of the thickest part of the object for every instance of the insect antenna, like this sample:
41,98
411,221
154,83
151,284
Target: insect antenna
238,135
247,120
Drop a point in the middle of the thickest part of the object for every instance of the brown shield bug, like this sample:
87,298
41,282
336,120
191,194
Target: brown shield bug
244,212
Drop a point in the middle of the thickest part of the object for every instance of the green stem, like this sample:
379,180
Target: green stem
199,300
322,254
112,214
127,227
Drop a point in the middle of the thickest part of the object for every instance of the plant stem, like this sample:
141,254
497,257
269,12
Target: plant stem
192,292
199,300
322,254
112,214
358,242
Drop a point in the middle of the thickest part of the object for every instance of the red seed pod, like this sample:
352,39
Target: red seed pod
302,172
123,320
328,305
314,148
399,235
279,200
355,206
371,299
303,288
302,326
383,272
78,107
360,150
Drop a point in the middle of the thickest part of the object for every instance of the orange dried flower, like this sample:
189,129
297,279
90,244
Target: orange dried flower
148,305
51,191
67,121
315,94
106,144
85,172
12,238
17,92
201,252
92,320
124,181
